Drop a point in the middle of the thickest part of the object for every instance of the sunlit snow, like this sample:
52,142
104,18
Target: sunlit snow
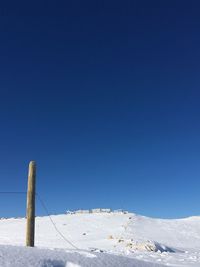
102,239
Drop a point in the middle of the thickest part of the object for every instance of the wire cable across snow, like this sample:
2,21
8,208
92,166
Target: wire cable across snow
55,227
48,214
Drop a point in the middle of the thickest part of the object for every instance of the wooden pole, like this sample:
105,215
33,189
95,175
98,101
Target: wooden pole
30,210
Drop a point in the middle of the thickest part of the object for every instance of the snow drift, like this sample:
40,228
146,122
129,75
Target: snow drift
103,239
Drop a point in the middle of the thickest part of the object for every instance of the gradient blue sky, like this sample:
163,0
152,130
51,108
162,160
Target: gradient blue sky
105,96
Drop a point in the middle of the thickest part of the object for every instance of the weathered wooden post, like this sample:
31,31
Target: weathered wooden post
30,209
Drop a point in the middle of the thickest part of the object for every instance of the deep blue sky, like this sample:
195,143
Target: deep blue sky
105,96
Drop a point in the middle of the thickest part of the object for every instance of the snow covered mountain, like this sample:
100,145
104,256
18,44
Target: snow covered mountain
102,239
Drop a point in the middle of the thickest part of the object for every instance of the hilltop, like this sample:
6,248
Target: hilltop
116,237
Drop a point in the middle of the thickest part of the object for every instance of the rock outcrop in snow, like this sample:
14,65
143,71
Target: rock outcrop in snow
99,210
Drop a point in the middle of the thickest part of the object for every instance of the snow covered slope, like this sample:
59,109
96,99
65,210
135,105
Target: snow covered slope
123,239
25,257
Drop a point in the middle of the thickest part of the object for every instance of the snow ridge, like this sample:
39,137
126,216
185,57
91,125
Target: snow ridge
104,239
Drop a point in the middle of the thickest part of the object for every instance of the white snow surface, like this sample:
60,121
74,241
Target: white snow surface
102,239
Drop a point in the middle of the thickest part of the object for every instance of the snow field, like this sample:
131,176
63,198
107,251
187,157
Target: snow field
103,239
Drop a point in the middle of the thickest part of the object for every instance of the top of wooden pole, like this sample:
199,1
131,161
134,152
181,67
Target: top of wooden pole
32,166
32,162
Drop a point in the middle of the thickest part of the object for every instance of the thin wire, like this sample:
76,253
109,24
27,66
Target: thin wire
48,214
10,192
57,230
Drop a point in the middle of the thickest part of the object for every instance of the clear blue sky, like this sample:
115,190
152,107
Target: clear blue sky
105,97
